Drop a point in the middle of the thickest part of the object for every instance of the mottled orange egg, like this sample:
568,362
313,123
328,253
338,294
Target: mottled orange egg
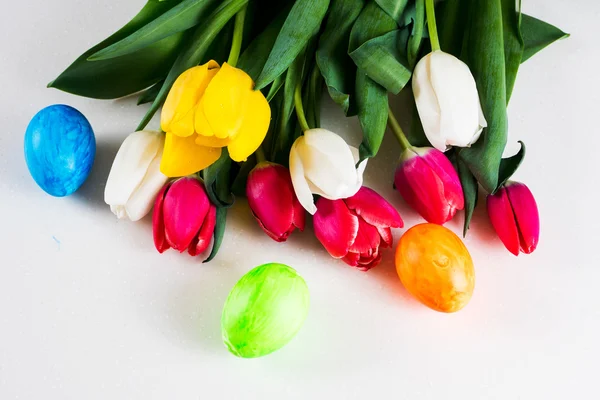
435,266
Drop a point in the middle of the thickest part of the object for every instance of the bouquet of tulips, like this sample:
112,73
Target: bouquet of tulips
238,84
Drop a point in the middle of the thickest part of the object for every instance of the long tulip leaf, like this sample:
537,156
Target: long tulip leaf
513,42
485,36
150,94
301,24
195,50
416,37
219,233
537,35
128,74
394,8
183,16
335,64
215,181
470,192
508,166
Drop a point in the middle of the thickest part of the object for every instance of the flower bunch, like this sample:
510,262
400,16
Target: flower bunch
241,116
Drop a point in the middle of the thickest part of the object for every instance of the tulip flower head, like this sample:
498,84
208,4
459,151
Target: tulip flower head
210,107
322,163
447,101
273,202
357,228
184,218
429,184
514,215
135,178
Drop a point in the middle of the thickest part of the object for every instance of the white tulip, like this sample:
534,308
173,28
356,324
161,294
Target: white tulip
322,163
135,178
447,101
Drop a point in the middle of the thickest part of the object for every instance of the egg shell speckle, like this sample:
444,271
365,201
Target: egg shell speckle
60,148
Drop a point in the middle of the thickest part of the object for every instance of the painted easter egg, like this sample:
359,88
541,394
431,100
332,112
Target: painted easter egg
59,149
264,310
435,267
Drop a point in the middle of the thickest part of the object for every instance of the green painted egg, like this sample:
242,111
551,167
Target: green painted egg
264,310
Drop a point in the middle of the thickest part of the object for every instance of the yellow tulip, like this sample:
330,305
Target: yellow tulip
208,108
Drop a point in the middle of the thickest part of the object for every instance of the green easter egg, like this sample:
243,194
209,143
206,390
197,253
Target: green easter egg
264,310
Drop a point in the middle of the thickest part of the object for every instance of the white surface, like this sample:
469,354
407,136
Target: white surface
99,314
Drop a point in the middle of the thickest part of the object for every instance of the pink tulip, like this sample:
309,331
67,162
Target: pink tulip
514,215
429,184
354,229
184,218
273,202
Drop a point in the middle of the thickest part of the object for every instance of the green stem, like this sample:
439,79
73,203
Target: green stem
431,25
238,35
395,127
300,108
260,155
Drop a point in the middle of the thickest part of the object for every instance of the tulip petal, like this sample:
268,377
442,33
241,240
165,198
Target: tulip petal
255,124
351,259
225,100
271,198
201,242
212,141
141,201
177,115
526,214
130,166
158,225
427,103
374,209
301,186
182,156
503,219
185,207
367,238
457,98
386,237
299,218
444,169
335,226
328,164
423,190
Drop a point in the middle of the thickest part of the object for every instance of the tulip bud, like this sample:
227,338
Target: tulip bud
429,184
447,101
184,218
273,202
354,229
135,178
514,215
322,163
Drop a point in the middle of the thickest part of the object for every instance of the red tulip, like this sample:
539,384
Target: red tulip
273,202
429,184
354,229
514,215
184,218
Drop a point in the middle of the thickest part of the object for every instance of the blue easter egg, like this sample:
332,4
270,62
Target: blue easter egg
59,149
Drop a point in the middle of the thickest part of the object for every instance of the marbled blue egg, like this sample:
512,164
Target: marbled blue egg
59,149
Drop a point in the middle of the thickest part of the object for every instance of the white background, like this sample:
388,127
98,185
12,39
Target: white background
89,309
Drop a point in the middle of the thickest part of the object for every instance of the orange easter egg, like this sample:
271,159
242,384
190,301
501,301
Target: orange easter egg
435,267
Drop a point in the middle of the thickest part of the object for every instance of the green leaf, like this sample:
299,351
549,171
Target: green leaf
371,23
394,8
537,35
195,50
513,42
125,75
313,94
216,181
470,192
238,187
372,104
302,23
150,94
382,61
219,233
335,64
183,16
414,42
485,36
253,59
508,166
275,86
452,19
